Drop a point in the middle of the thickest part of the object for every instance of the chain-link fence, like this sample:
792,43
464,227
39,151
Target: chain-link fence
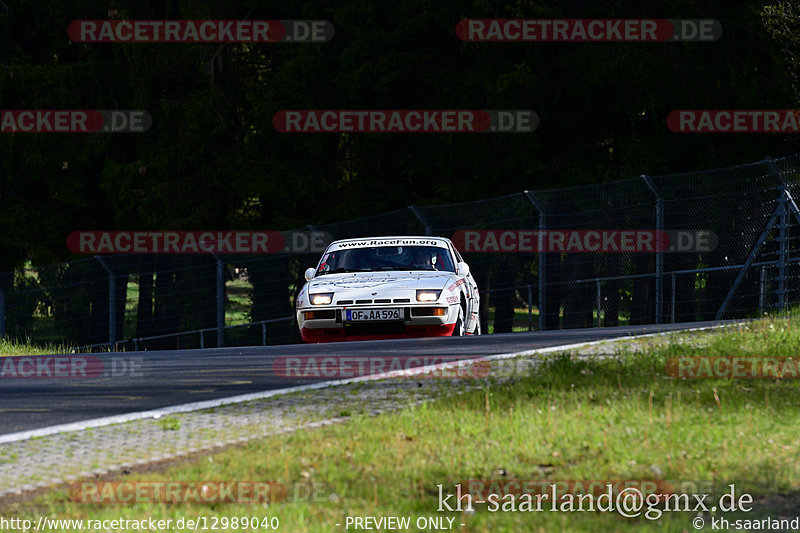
682,247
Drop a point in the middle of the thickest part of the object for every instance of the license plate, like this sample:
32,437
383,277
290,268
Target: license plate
357,315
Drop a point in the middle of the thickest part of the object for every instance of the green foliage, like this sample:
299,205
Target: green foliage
213,160
170,423
608,417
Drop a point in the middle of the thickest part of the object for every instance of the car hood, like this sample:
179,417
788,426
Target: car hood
357,282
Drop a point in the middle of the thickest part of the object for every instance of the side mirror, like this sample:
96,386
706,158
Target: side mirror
310,273
462,269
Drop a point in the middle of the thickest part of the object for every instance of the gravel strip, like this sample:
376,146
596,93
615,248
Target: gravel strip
41,463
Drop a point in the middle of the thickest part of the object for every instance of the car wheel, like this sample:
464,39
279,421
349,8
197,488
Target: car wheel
459,330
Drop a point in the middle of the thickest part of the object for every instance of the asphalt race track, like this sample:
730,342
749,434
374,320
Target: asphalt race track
165,378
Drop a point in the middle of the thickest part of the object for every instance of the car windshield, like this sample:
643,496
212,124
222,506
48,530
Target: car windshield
386,258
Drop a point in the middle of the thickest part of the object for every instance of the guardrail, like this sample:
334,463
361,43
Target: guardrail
598,281
138,340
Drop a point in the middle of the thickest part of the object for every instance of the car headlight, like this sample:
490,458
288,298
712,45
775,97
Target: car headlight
322,298
428,295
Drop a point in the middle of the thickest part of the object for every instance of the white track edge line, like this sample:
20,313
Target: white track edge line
219,402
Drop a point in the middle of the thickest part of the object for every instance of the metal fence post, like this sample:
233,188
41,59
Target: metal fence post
220,301
783,229
762,291
542,260
263,333
672,302
416,212
599,303
659,247
786,204
775,171
112,303
747,263
530,309
2,313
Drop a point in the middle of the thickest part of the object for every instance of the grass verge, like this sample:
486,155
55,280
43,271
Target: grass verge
8,347
620,417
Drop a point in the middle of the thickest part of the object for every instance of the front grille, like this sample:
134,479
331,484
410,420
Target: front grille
402,300
384,301
344,302
363,301
319,315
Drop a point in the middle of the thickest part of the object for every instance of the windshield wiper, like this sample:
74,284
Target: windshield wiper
343,270
386,267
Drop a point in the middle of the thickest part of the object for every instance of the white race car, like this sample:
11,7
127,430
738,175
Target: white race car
388,287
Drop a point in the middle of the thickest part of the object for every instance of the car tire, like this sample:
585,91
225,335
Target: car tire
459,330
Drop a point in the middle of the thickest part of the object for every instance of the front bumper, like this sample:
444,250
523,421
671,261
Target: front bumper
415,322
